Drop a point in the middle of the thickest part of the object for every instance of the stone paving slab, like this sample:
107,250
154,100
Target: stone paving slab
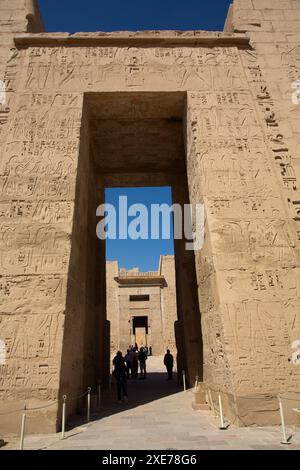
160,418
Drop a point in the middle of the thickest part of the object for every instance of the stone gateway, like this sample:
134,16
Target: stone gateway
141,307
214,115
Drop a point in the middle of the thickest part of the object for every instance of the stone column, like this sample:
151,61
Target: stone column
113,307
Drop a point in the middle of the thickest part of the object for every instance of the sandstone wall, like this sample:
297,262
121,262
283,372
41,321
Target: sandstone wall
188,326
272,69
113,308
242,142
168,302
16,16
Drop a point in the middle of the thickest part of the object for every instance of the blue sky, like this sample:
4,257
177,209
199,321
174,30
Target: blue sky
112,15
141,253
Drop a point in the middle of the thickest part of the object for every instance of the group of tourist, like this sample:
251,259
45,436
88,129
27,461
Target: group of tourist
126,367
133,359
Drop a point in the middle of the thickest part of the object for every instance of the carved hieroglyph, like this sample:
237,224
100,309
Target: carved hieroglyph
61,140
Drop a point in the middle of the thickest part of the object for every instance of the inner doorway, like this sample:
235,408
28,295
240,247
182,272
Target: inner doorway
140,331
128,139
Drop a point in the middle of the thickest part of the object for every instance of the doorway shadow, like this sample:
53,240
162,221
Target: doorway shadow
140,392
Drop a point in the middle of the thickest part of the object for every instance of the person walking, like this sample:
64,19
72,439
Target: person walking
128,364
134,364
142,361
169,363
120,375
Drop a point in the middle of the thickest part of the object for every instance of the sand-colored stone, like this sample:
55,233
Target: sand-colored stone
209,113
132,295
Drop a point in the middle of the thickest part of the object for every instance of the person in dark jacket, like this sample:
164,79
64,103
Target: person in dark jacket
142,361
119,372
128,364
169,363
134,363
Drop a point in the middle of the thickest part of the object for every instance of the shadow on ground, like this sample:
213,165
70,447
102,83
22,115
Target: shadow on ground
140,392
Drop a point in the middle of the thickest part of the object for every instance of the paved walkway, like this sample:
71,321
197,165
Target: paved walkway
159,416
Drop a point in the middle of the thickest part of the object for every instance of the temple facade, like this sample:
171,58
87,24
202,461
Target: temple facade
141,307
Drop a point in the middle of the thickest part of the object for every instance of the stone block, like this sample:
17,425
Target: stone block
243,5
272,4
200,396
200,406
12,4
261,36
292,14
266,48
272,14
248,15
286,26
297,416
200,393
252,24
293,38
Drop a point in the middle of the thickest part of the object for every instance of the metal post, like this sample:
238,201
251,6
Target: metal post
184,382
63,418
285,440
222,424
23,429
212,402
88,413
109,384
196,383
99,395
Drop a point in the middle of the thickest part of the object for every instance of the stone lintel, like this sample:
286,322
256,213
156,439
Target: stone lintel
141,280
138,38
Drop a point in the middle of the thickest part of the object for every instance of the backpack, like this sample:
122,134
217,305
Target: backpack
142,356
